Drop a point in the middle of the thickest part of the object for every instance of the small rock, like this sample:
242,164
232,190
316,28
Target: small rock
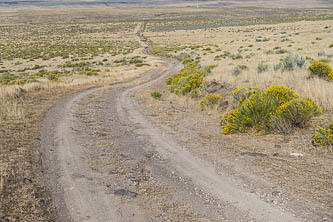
275,154
296,154
27,181
123,192
276,193
77,176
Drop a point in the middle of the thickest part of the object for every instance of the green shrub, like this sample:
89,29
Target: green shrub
22,81
141,64
321,70
36,67
6,78
292,62
156,95
91,73
324,135
330,46
269,52
210,101
238,56
278,66
187,60
239,69
209,68
321,53
262,67
276,108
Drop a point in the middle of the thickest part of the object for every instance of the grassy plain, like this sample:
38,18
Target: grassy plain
49,54
268,44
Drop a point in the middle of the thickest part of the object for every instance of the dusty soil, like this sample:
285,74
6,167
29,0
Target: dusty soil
107,159
111,163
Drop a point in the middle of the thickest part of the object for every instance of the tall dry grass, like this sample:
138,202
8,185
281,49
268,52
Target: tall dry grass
11,96
317,89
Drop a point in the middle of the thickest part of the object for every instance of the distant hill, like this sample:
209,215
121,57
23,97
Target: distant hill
168,3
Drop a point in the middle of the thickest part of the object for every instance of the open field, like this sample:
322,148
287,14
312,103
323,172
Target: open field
268,44
164,3
159,140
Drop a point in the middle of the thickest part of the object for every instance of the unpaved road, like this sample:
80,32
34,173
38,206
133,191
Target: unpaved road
107,162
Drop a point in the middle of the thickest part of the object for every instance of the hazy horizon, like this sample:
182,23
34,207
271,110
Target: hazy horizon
166,3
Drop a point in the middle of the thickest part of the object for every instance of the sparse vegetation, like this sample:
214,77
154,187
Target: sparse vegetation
291,62
42,61
262,67
239,69
210,100
156,95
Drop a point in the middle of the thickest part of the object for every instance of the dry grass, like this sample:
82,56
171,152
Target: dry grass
301,39
317,89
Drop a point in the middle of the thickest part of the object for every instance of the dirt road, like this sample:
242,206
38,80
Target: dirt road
107,161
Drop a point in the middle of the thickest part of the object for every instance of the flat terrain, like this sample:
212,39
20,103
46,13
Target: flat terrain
85,138
169,3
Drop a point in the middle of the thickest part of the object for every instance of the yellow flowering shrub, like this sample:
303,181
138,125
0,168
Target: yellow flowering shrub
265,110
253,112
188,80
295,113
321,70
324,135
239,95
280,95
210,100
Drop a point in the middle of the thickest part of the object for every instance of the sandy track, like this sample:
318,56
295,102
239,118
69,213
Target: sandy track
85,190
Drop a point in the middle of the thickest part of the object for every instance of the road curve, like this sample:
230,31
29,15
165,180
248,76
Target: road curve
77,190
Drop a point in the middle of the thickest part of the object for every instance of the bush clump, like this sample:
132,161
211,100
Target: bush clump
262,67
10,79
239,69
295,113
291,62
188,81
156,95
321,70
323,135
210,100
276,109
